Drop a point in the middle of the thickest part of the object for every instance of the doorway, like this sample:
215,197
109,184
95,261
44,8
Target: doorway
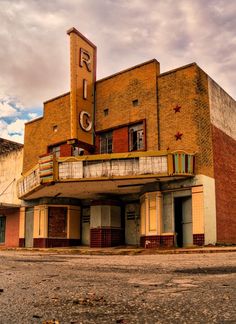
132,224
2,228
86,226
183,221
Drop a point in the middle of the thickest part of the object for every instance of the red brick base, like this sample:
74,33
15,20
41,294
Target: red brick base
21,242
154,241
55,242
198,239
106,237
167,240
51,242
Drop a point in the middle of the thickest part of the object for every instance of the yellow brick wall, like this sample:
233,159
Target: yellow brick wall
39,134
117,93
188,88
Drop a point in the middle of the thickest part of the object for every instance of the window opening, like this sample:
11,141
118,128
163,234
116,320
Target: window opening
135,103
55,128
106,112
106,143
55,150
136,137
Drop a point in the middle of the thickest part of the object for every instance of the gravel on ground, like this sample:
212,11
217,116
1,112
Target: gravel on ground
38,287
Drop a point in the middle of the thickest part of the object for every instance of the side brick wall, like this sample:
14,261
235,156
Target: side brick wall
225,180
12,227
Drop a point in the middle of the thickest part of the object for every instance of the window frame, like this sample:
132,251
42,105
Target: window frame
106,142
137,129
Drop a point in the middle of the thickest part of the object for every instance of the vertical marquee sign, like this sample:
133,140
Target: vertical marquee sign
83,77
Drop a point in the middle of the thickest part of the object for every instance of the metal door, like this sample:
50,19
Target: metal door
187,221
29,227
86,226
132,224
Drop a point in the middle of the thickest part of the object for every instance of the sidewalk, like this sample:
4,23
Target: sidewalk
123,250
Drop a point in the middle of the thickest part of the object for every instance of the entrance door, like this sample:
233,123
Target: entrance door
187,221
132,224
29,227
183,221
86,226
2,228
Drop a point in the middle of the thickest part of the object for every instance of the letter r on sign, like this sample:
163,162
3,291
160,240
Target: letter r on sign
85,59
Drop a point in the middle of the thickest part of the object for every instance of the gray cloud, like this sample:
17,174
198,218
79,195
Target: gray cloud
34,47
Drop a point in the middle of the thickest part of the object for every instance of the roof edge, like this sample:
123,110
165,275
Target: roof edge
127,70
57,97
177,69
74,30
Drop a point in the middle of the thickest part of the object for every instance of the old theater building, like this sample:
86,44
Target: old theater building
137,158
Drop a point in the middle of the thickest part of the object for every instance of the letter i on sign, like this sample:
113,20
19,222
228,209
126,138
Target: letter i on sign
85,86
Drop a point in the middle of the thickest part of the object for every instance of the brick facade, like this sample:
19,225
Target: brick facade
179,110
224,148
117,93
56,113
187,88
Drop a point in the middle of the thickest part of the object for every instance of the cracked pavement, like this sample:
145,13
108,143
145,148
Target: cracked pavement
36,287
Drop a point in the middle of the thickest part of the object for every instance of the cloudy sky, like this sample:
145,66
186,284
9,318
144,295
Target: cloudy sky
34,46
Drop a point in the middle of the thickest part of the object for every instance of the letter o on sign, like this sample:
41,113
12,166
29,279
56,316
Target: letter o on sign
85,121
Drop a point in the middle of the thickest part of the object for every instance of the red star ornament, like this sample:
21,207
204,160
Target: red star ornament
177,109
178,136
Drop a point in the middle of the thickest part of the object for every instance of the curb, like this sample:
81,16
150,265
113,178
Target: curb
122,251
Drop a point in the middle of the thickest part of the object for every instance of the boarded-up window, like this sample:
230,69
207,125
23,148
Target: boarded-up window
57,222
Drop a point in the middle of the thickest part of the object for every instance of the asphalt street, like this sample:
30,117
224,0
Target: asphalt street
37,287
